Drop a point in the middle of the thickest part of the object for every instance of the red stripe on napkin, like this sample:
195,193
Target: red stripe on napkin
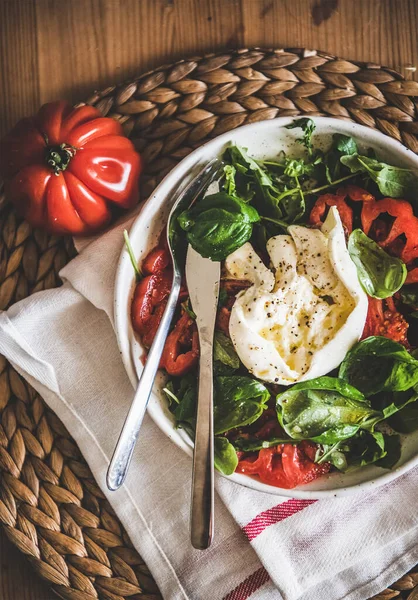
274,515
249,585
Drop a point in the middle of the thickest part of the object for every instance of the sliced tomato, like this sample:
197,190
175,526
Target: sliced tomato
384,319
285,466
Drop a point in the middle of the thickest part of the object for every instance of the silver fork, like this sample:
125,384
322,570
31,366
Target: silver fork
122,454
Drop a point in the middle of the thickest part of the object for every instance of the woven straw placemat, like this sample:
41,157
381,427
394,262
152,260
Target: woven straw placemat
50,506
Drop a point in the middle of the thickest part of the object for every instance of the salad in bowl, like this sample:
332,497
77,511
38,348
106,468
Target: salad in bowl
315,362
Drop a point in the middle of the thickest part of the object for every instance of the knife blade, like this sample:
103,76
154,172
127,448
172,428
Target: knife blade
203,277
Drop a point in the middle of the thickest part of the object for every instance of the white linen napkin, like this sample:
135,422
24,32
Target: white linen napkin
265,547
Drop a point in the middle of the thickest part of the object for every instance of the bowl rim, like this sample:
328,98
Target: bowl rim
185,167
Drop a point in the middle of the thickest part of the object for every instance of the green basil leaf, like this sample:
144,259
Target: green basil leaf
378,364
225,456
324,410
224,351
218,225
380,274
181,394
239,401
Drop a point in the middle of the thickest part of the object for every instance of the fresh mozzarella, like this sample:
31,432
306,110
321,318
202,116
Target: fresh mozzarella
300,322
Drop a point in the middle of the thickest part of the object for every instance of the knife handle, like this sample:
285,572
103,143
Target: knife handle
202,483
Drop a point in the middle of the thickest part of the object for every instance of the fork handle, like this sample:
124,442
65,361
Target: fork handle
122,455
202,484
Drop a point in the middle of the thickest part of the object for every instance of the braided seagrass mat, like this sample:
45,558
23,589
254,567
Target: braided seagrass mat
50,506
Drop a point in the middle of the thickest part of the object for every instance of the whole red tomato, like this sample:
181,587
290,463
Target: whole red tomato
65,167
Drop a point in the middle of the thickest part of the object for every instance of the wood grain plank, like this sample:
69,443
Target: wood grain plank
18,581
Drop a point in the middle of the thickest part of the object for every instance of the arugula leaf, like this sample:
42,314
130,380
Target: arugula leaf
239,401
380,274
224,351
378,364
393,182
218,225
324,410
341,145
229,185
225,456
308,127
344,144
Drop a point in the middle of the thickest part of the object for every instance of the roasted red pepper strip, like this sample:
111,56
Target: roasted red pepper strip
412,276
174,360
355,193
386,321
405,224
148,304
317,215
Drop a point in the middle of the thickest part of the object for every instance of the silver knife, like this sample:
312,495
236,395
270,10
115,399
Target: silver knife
203,276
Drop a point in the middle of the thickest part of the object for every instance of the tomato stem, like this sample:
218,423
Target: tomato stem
58,157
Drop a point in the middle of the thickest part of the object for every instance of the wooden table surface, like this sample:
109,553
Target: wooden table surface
51,49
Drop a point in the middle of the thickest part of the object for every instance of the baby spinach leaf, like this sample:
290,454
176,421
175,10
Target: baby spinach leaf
308,127
366,448
380,274
324,410
393,452
406,419
225,456
181,395
218,224
378,364
238,401
224,351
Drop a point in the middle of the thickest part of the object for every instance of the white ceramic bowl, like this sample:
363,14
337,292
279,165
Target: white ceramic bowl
263,140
